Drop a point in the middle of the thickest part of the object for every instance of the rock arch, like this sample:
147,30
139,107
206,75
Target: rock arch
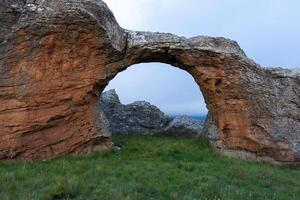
55,57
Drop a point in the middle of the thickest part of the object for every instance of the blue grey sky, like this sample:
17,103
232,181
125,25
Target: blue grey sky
267,30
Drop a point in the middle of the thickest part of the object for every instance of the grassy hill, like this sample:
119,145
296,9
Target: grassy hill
149,167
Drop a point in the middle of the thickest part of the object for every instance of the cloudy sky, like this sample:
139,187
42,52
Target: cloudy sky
267,30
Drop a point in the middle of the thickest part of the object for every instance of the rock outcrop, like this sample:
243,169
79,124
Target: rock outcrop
184,126
56,57
143,118
139,117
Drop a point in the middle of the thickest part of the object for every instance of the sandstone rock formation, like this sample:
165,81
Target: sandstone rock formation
56,57
184,126
139,117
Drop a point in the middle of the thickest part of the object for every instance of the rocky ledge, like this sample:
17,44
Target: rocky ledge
141,117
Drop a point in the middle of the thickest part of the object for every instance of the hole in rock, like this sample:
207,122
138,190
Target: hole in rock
154,98
226,129
218,82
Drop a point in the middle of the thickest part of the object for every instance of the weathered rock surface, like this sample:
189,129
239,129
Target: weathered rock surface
56,57
184,126
10,11
142,118
139,117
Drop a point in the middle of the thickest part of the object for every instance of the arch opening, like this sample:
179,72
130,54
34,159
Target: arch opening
151,97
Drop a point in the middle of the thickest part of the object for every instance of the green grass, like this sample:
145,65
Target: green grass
149,167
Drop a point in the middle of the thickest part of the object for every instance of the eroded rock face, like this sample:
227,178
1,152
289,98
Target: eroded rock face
139,117
56,57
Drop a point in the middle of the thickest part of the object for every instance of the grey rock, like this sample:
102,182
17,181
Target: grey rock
110,100
10,12
184,126
139,117
116,148
210,129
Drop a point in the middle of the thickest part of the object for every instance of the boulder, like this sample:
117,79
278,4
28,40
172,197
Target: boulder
184,126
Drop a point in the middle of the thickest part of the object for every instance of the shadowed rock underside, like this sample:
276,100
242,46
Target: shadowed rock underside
56,57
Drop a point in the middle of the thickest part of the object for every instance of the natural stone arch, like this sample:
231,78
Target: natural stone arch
223,73
57,55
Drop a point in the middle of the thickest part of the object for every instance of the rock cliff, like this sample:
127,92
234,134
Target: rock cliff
56,57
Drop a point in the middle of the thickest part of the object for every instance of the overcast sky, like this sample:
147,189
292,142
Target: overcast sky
267,30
